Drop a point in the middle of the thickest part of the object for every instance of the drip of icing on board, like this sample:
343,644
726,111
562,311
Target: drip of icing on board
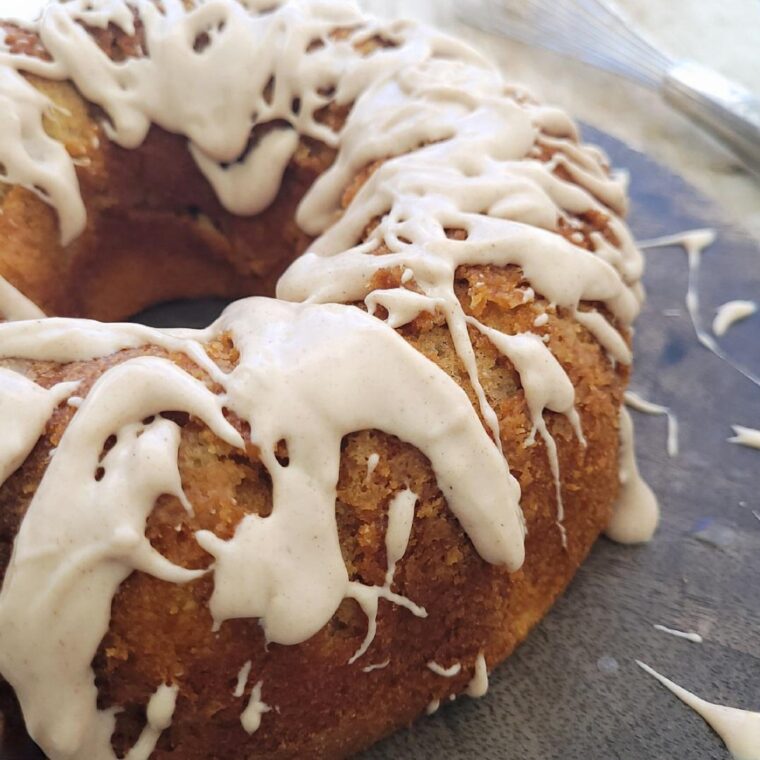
688,635
636,513
635,401
730,313
739,729
694,242
744,436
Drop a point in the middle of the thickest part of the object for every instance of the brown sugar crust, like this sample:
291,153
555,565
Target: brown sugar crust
156,231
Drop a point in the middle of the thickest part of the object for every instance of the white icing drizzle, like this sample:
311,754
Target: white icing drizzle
460,153
694,242
376,666
739,729
159,717
251,716
286,569
25,409
546,386
400,519
745,436
433,706
609,338
63,572
449,672
640,404
688,635
15,305
242,679
636,513
372,461
31,159
478,686
730,313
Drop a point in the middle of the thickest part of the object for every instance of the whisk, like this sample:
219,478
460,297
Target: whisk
594,32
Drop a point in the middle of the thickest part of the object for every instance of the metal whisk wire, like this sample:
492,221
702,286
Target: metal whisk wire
594,32
584,29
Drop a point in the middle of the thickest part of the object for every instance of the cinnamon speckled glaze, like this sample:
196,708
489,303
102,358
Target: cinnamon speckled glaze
297,530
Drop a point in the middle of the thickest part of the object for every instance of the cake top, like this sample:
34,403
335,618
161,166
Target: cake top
473,172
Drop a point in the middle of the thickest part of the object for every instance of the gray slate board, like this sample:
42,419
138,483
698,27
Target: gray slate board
572,691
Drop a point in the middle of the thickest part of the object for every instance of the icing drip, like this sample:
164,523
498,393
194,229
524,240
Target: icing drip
251,716
433,707
15,305
400,519
242,679
31,159
25,409
739,729
636,513
546,386
635,401
694,243
745,436
449,672
730,313
688,635
378,666
159,717
478,686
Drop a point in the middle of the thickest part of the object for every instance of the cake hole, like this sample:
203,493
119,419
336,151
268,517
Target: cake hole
315,45
281,452
268,93
99,474
178,418
107,446
295,106
202,41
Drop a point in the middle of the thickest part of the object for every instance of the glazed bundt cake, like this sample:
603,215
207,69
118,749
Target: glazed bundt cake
297,530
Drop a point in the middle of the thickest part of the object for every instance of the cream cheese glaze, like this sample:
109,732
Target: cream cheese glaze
730,313
640,404
745,436
463,152
739,729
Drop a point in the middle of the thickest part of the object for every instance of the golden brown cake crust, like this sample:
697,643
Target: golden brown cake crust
155,232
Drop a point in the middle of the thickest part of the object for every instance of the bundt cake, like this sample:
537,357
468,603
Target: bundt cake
290,533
